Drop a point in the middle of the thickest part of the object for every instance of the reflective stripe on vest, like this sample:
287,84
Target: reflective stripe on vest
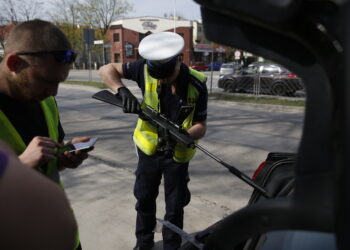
146,135
9,134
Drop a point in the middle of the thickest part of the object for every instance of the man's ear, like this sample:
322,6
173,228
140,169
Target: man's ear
13,62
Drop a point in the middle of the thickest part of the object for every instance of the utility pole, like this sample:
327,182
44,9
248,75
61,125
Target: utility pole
88,36
174,16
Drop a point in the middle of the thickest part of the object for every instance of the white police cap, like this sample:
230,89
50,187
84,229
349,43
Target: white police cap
161,47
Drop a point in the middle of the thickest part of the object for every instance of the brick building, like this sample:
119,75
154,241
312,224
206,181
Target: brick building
125,35
4,30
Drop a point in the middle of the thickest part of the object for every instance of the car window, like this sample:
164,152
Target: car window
270,70
226,66
251,70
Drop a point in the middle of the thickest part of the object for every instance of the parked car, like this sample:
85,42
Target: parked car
201,66
216,66
264,79
229,68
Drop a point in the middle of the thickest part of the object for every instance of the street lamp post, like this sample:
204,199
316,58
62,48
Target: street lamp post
174,16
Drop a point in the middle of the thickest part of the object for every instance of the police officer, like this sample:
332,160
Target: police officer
167,85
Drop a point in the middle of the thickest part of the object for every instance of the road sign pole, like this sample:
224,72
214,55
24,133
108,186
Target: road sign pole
212,66
88,36
90,73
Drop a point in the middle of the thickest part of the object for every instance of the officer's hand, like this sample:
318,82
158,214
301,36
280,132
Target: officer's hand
130,102
39,151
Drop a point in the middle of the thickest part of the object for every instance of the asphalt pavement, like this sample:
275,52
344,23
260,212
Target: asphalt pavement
101,193
101,190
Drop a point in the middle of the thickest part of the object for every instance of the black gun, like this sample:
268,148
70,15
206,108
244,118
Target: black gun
176,133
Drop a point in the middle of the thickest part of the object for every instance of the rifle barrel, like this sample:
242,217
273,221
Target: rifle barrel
235,171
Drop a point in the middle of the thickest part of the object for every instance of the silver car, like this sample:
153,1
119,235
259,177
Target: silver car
229,68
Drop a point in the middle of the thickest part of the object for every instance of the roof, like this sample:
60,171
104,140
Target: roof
151,24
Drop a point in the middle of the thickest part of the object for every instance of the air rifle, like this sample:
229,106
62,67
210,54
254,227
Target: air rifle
176,133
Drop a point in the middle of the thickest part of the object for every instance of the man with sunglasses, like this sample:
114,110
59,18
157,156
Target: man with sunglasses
168,86
38,57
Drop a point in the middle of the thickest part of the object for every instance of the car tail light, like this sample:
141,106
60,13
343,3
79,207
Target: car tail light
291,75
258,170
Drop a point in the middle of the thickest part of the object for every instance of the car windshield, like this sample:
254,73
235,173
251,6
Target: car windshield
227,65
269,69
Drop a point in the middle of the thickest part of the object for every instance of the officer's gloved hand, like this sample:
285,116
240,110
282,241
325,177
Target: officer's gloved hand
130,102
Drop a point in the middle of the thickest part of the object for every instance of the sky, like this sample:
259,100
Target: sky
186,8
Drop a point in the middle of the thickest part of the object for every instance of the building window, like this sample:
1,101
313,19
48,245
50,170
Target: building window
199,29
117,57
116,37
129,50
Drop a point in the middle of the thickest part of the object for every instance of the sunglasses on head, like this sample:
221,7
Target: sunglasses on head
61,56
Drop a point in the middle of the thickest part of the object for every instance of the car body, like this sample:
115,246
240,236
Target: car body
262,78
311,38
216,66
200,66
229,68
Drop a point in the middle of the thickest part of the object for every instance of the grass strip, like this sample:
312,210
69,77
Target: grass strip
258,99
87,83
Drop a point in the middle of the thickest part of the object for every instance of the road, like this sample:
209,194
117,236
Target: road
240,134
86,75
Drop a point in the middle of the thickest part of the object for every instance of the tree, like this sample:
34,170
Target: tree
74,15
14,11
65,14
101,13
178,16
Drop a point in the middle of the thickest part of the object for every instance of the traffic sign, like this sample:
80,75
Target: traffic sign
88,36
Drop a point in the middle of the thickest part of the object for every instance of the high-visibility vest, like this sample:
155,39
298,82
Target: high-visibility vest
146,135
9,134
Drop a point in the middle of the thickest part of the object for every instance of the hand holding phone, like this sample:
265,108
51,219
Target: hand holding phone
78,146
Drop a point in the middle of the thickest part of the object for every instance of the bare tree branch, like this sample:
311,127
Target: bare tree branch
101,13
65,14
14,11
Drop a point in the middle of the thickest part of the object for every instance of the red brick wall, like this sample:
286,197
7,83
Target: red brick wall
129,36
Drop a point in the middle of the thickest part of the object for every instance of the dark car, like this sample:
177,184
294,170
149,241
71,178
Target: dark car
262,78
200,66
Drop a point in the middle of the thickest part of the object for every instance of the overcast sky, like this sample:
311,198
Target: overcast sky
186,8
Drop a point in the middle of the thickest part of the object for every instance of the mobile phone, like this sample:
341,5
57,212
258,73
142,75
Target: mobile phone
78,146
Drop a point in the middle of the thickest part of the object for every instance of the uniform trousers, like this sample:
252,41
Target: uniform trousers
149,173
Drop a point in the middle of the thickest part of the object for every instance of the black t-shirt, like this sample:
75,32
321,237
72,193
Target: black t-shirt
169,103
27,118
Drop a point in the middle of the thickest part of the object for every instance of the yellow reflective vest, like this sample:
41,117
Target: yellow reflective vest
146,135
9,134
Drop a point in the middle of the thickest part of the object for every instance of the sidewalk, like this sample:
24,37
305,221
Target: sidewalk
103,202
